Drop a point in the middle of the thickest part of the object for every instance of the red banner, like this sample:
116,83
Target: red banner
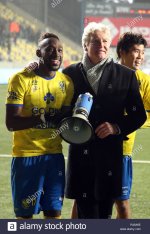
121,25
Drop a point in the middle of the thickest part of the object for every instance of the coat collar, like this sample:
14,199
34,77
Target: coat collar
105,78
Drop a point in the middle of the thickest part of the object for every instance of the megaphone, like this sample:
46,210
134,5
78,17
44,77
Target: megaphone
79,129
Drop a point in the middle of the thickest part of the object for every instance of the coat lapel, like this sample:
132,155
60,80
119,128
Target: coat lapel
106,79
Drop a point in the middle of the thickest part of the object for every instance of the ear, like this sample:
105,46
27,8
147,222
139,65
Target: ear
38,53
122,53
85,47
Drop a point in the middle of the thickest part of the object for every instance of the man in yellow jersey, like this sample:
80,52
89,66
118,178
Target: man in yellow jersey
130,51
36,102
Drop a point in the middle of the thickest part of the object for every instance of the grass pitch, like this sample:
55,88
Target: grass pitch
140,196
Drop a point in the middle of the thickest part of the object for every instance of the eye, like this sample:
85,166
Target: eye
94,41
60,50
50,49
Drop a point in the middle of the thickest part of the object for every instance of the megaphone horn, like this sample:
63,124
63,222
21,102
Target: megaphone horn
79,129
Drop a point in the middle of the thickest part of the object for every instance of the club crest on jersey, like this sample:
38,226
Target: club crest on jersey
62,86
48,98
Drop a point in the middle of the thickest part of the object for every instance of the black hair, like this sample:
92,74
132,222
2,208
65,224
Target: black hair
47,35
127,40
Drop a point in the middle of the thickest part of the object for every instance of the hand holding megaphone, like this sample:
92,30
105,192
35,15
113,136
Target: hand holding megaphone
79,129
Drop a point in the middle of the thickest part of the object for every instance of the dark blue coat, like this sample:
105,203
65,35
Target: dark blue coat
94,170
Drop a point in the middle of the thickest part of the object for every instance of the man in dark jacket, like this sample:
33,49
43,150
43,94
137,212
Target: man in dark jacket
94,171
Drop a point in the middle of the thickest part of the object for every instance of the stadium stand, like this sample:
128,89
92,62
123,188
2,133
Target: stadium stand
65,15
19,37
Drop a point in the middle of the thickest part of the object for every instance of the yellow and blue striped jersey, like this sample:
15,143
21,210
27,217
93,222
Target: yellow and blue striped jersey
144,86
38,95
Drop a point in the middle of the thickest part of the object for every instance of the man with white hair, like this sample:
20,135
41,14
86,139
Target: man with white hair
94,170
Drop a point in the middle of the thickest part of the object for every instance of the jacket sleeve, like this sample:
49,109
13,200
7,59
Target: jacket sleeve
135,113
73,72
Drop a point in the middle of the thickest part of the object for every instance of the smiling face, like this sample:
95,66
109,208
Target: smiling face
134,57
50,53
98,46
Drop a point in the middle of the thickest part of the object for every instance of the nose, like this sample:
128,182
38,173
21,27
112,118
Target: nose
99,43
55,53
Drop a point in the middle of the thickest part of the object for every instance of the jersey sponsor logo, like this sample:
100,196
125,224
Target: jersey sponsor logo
45,125
12,95
48,98
62,86
51,111
36,110
42,110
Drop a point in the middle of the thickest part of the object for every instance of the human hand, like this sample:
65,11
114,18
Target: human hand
54,117
105,129
50,120
31,67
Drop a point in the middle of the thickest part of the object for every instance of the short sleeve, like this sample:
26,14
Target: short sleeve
16,90
69,91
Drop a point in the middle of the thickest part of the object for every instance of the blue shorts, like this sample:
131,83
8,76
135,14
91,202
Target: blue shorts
37,183
126,178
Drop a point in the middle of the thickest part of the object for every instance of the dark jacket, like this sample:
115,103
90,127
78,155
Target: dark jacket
94,169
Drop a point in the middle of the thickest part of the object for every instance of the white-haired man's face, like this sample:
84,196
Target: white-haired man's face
98,46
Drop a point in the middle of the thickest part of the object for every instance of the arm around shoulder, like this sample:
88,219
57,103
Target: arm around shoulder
134,108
